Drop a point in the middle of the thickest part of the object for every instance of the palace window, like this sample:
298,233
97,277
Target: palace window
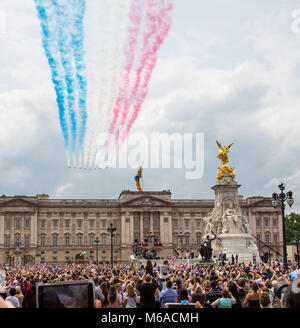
92,240
275,236
7,224
197,223
79,240
175,223
103,223
42,240
27,223
43,224
198,239
55,224
7,240
92,224
54,240
26,241
67,240
187,240
115,240
79,224
136,223
258,236
175,240
258,222
103,240
67,224
155,223
267,238
187,223
275,222
266,222
18,221
146,223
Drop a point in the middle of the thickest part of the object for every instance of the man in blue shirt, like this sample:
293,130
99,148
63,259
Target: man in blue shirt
168,295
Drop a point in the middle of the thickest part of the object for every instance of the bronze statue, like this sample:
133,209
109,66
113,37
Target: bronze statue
206,249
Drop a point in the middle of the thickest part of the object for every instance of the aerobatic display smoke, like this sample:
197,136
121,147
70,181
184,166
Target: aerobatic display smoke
101,55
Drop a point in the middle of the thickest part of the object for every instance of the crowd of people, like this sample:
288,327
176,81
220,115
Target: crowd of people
152,285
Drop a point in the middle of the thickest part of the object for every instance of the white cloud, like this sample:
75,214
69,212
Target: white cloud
63,190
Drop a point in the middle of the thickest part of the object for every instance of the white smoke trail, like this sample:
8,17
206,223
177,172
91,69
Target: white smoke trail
119,21
106,23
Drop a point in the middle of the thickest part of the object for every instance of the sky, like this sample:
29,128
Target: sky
229,69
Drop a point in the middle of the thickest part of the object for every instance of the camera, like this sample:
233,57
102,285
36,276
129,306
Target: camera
291,293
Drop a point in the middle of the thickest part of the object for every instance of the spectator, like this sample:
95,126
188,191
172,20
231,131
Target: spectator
252,298
130,298
12,298
214,293
265,301
31,295
113,301
198,296
98,291
19,295
148,292
184,297
168,295
149,268
226,301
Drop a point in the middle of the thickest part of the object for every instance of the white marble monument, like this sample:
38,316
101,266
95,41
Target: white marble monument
226,220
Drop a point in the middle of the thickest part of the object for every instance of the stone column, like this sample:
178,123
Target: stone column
162,230
151,222
123,228
33,229
1,229
141,226
131,239
170,227
12,229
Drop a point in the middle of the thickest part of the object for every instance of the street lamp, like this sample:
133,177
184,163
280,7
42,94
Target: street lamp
97,241
111,230
279,200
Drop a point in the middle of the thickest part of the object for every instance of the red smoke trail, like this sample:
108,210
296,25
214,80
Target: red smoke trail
158,26
130,50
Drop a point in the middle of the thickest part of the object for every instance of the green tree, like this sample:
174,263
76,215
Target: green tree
292,228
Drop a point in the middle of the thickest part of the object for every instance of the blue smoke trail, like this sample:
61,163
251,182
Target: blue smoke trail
65,52
81,73
64,46
49,32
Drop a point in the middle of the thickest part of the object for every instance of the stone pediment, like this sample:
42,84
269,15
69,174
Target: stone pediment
18,202
267,202
146,201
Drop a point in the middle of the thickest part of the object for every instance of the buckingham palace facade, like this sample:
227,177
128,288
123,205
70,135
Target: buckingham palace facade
39,229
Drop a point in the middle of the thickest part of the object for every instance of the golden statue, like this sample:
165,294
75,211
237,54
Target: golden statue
223,151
